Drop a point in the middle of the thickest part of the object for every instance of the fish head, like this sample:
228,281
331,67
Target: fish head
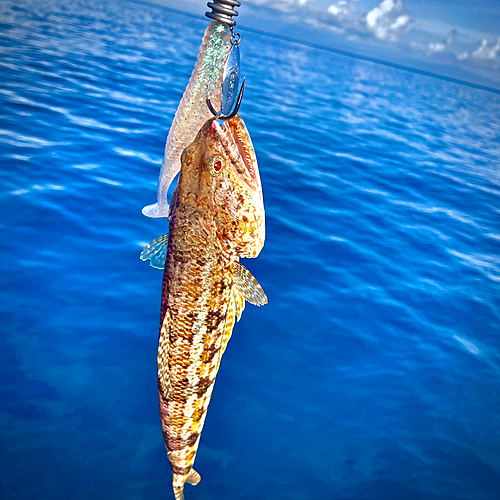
220,177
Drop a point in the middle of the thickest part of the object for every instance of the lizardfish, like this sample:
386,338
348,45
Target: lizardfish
216,217
205,82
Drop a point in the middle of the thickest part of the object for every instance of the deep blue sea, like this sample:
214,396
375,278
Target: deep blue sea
374,371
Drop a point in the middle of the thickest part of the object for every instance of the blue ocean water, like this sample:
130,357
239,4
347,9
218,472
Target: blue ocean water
374,371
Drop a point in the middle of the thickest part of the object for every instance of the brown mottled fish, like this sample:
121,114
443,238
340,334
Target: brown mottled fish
216,217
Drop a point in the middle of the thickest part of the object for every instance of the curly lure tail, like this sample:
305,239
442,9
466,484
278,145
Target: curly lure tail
192,112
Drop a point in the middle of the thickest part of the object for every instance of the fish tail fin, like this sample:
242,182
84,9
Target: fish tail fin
193,478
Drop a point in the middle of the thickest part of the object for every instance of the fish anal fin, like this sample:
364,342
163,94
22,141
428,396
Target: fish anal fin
248,286
156,251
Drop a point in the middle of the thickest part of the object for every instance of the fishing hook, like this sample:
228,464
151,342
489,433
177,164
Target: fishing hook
223,11
219,114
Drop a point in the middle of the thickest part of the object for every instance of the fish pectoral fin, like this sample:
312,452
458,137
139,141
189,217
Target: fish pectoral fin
156,252
248,286
193,478
239,303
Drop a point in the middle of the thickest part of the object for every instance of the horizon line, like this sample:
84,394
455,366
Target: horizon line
342,52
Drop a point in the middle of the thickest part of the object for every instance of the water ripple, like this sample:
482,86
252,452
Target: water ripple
374,369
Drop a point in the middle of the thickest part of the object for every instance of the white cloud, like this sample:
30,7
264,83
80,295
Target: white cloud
338,18
485,52
427,42
343,10
388,20
436,47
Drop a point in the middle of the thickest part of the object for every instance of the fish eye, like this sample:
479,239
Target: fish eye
215,165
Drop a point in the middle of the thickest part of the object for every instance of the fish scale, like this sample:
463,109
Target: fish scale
195,341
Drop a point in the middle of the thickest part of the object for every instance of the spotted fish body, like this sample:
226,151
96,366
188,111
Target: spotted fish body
217,216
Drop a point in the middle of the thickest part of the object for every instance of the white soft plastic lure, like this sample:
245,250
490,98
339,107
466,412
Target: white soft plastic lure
192,113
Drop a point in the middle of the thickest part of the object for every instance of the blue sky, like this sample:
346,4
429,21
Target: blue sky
457,39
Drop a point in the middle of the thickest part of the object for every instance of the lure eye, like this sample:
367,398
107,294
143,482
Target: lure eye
215,165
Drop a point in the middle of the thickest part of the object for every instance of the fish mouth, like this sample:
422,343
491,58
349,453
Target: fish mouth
238,145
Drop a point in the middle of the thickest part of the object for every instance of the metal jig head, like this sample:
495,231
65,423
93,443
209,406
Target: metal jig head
219,115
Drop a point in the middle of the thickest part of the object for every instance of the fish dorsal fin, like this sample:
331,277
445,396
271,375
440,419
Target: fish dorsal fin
248,286
156,251
239,303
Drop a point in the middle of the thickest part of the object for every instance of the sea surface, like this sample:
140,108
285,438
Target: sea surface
374,371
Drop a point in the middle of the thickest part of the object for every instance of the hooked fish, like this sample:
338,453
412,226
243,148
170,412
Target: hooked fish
216,217
192,112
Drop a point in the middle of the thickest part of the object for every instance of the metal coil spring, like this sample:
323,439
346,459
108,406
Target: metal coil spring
223,11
